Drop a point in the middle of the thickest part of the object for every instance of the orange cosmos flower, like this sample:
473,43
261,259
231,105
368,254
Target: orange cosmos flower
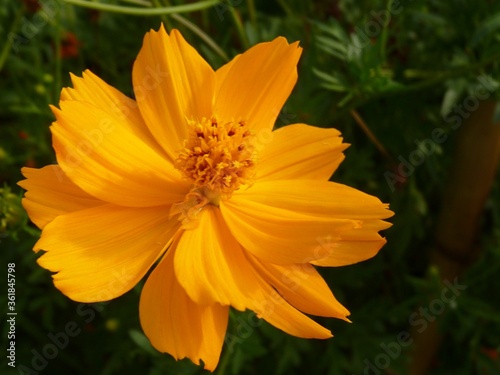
190,177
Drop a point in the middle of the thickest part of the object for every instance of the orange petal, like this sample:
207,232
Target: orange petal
221,73
172,84
213,268
109,161
91,89
301,151
256,85
354,245
268,304
303,287
175,324
321,199
51,193
290,221
276,233
210,264
102,252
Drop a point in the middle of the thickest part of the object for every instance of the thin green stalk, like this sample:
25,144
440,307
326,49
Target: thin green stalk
385,29
239,28
224,362
143,11
8,45
58,58
204,36
446,75
286,8
252,13
416,73
144,3
226,353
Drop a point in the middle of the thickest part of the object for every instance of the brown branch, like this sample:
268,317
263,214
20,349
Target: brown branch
362,124
475,164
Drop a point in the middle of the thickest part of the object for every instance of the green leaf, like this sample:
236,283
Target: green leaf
334,29
330,82
486,28
142,341
332,47
452,95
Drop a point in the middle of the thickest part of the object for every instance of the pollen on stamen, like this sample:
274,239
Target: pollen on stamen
218,156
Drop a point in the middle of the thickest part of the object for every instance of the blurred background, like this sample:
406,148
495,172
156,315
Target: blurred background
413,87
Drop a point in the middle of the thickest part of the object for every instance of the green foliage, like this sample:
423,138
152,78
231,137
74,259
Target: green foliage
404,66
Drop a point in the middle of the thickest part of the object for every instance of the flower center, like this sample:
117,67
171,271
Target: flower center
217,158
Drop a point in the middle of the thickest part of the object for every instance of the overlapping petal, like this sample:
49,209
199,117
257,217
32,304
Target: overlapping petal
268,304
108,161
172,84
50,193
92,89
289,221
321,199
256,85
221,73
101,252
210,264
301,151
274,232
354,245
213,268
303,287
177,325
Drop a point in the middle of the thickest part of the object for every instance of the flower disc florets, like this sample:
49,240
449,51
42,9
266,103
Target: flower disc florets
218,157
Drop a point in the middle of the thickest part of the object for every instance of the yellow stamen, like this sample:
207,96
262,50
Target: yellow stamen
217,158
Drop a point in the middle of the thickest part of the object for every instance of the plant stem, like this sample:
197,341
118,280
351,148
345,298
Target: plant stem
58,58
144,3
143,11
7,45
285,7
204,36
372,136
252,13
239,26
476,161
383,36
